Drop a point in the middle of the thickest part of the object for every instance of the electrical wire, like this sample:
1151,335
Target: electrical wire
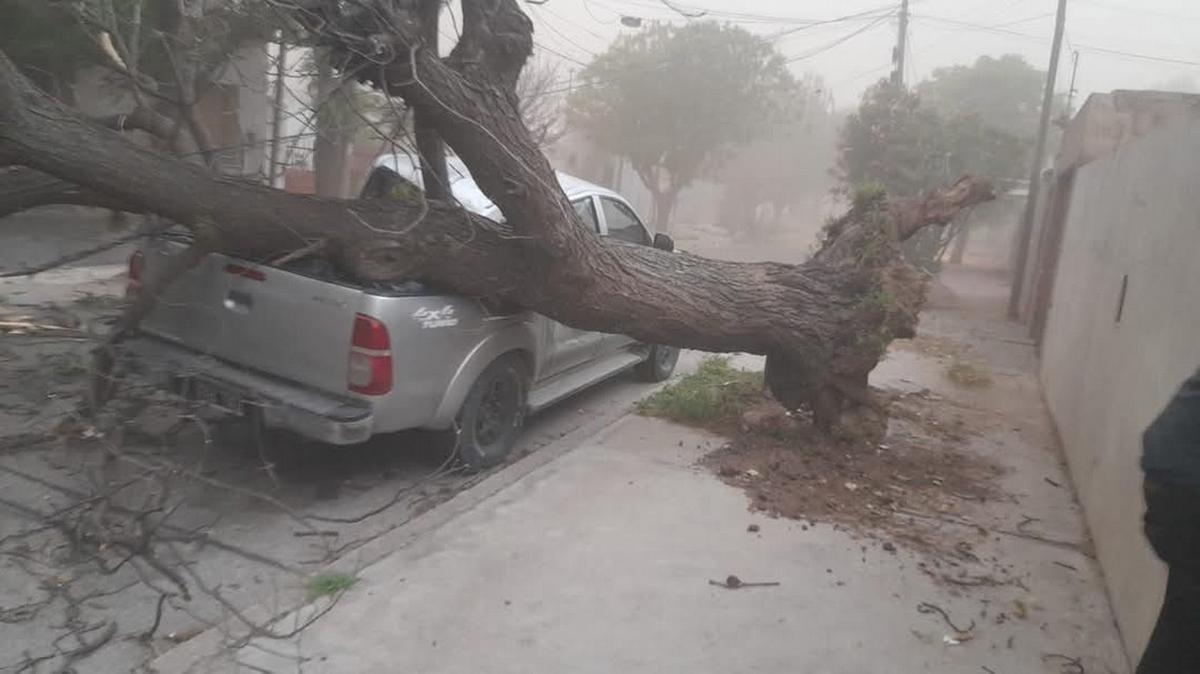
866,15
1043,39
826,47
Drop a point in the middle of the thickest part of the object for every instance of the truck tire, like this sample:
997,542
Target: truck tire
659,365
493,413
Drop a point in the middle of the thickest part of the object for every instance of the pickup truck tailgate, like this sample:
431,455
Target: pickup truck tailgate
261,317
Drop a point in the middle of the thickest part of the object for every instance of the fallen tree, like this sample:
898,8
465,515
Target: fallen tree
822,324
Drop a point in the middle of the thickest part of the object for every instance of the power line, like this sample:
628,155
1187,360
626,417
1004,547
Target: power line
1139,11
559,54
826,47
564,40
732,17
1040,38
888,10
575,24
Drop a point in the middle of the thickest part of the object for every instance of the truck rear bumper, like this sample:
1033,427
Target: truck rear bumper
286,405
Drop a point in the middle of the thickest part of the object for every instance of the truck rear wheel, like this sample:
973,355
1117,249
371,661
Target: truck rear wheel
493,413
659,365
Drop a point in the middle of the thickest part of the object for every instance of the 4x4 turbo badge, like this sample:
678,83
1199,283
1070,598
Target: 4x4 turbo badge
436,318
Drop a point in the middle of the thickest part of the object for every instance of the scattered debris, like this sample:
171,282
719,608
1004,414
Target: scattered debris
956,639
802,475
1020,609
1068,664
732,582
926,607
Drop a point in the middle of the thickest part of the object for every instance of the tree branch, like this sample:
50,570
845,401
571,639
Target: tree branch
23,188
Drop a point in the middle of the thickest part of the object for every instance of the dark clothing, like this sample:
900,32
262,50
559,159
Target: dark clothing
1171,444
1171,461
1173,527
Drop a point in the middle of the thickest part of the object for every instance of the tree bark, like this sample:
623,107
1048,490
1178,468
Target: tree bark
822,324
435,175
329,146
23,188
959,247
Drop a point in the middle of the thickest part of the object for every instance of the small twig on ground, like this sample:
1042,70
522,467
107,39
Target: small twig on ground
979,581
1069,664
928,607
88,647
1066,566
734,583
158,613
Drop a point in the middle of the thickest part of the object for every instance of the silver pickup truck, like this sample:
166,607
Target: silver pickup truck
303,349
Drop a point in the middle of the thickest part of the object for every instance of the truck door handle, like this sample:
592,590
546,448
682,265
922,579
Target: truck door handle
238,301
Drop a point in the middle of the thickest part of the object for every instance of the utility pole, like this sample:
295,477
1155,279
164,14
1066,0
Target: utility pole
1025,231
901,46
1074,70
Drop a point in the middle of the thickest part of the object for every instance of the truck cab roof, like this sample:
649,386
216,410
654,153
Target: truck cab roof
467,192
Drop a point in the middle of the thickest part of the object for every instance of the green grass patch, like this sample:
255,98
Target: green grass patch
715,391
328,584
967,375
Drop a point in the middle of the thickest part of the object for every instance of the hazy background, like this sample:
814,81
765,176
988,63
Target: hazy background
1158,40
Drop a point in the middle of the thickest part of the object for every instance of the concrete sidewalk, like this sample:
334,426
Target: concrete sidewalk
600,561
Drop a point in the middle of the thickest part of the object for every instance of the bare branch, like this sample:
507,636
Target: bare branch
23,188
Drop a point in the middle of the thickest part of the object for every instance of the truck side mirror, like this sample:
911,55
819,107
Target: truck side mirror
664,242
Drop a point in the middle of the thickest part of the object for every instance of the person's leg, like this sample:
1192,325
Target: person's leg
1172,527
1174,646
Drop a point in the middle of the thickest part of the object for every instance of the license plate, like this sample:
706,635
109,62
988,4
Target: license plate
213,394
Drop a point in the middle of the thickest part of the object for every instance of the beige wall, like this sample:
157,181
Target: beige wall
1135,213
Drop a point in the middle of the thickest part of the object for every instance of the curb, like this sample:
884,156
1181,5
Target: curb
209,644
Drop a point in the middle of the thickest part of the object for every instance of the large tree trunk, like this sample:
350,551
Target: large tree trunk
823,324
431,151
329,144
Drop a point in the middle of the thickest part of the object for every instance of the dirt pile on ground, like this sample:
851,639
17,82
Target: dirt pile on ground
877,488
790,471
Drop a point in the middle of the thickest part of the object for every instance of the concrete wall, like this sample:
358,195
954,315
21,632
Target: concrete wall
1133,216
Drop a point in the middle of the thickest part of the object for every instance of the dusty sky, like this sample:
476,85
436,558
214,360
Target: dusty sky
851,54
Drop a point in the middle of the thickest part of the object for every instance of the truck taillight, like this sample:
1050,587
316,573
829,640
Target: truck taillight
137,261
370,370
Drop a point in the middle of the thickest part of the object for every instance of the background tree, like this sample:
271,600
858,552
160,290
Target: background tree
671,98
1005,93
785,166
897,142
540,101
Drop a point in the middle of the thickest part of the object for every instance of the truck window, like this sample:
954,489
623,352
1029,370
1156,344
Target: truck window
622,223
587,212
